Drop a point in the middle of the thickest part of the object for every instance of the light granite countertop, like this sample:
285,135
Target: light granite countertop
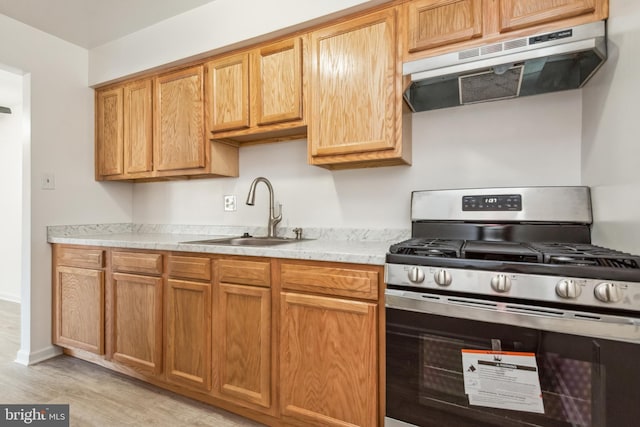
359,246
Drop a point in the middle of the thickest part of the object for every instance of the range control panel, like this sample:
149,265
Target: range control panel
498,202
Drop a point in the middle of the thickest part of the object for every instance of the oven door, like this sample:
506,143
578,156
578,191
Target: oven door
588,364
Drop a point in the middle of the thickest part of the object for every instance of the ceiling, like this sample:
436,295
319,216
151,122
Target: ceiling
91,23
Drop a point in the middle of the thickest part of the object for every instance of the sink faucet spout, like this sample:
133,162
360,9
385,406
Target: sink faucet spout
273,218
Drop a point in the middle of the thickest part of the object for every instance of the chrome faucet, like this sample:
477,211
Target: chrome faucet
251,199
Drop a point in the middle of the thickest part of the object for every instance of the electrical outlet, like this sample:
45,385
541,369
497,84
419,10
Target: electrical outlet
48,181
230,203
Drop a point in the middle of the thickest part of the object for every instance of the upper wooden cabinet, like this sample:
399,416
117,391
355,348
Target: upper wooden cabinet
229,93
435,23
179,120
257,95
109,133
155,128
138,128
433,27
355,92
521,14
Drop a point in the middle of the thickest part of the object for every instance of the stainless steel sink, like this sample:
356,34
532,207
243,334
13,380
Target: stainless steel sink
247,241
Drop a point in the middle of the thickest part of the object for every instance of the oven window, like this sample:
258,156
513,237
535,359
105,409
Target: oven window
585,382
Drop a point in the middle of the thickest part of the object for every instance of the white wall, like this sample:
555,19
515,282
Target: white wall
59,140
526,141
11,187
611,129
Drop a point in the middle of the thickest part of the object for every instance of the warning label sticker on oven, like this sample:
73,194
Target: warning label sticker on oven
502,379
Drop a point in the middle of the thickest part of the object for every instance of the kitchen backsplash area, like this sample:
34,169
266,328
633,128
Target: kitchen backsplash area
530,141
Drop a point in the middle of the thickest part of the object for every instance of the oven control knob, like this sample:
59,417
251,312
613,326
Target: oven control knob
500,283
608,292
416,275
442,278
568,289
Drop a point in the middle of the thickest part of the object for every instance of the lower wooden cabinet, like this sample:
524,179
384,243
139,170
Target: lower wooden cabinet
78,298
328,361
243,362
136,318
188,333
284,342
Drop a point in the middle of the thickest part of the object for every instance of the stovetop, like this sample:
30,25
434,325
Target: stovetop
550,258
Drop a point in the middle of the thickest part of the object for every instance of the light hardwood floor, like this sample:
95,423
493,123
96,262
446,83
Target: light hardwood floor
97,396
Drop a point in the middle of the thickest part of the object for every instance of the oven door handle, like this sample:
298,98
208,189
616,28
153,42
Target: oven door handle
619,328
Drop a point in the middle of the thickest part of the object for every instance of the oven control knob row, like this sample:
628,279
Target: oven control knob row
416,275
568,289
442,278
500,283
608,292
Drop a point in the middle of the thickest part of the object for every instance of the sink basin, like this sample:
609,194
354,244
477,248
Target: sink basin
247,241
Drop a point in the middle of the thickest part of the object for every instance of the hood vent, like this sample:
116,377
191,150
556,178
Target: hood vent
5,110
541,63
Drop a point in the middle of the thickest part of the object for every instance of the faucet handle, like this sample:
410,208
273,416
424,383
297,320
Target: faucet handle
278,217
298,232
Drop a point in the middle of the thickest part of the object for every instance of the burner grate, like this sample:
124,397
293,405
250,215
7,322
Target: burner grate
586,255
439,248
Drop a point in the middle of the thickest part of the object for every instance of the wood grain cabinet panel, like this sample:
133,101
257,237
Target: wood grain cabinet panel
355,93
80,257
79,308
229,99
188,333
189,267
516,14
136,320
432,23
328,361
257,95
136,262
109,132
179,133
138,127
276,73
242,348
244,272
332,280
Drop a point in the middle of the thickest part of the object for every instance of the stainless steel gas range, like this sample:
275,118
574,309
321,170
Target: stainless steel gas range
510,273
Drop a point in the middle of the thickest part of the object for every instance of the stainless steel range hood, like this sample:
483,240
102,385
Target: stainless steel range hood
541,63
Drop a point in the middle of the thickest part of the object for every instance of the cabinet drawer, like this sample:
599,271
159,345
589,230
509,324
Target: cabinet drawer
190,267
241,272
332,280
80,257
136,262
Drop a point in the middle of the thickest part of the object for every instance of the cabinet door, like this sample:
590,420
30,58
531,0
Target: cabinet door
521,14
228,81
79,308
109,133
242,325
188,333
328,361
354,89
137,322
276,82
138,127
433,23
179,120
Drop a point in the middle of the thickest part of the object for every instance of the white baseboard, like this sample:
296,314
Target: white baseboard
10,297
25,358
